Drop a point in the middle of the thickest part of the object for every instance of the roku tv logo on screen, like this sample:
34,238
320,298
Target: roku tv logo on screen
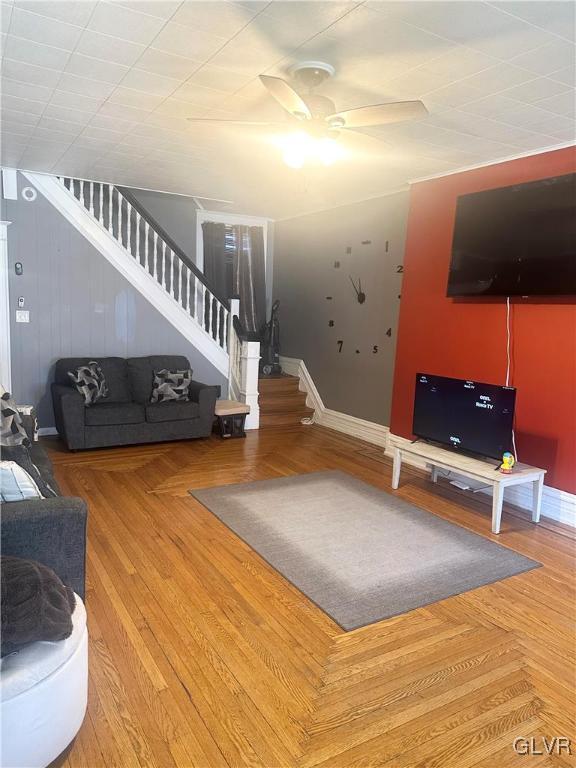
484,402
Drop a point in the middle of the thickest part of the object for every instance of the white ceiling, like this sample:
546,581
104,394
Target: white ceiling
101,90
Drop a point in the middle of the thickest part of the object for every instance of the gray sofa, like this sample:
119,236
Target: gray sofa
127,416
51,531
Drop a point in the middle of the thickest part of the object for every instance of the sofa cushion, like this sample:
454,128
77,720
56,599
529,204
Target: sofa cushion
111,414
141,370
44,465
173,410
114,369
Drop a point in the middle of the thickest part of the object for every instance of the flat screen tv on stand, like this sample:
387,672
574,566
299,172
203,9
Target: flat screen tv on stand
468,416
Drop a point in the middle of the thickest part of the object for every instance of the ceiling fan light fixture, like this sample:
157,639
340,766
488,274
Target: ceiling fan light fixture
301,147
328,151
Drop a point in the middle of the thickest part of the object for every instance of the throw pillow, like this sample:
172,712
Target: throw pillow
90,382
20,455
12,430
36,605
170,385
16,484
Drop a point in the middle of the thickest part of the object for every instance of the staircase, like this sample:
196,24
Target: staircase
114,222
281,402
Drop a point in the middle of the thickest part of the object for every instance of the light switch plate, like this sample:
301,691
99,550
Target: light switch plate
22,316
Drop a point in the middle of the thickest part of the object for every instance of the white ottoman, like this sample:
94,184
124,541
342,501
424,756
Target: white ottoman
44,693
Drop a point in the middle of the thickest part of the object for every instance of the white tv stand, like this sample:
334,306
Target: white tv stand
482,470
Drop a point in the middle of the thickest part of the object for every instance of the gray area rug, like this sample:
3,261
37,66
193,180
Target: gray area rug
359,553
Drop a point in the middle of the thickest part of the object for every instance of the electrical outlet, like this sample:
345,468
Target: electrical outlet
22,316
20,301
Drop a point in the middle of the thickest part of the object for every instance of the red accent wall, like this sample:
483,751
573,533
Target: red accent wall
466,338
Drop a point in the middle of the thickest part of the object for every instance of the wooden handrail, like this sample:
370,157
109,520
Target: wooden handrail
242,333
127,195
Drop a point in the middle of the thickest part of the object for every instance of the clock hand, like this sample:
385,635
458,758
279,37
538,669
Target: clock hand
353,284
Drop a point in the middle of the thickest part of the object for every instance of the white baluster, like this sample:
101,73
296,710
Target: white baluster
91,196
137,235
110,217
120,201
101,207
82,185
146,259
210,308
195,290
163,265
225,334
180,282
172,291
155,255
217,323
129,227
187,281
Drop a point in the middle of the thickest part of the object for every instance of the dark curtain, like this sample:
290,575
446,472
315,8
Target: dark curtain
249,276
236,267
214,236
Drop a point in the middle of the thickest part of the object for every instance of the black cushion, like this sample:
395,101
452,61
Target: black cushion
110,414
115,372
173,410
35,604
141,370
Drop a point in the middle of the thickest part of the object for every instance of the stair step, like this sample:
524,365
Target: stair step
279,384
284,419
292,401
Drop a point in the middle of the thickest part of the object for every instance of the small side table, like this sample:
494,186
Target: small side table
231,417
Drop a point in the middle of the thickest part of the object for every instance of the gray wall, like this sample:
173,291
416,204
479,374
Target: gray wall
176,214
79,305
305,252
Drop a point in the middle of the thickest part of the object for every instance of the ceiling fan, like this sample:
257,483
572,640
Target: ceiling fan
317,116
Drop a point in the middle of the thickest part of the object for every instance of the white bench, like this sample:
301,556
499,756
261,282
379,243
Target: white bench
482,470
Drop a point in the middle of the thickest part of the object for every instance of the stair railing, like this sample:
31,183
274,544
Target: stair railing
117,211
244,351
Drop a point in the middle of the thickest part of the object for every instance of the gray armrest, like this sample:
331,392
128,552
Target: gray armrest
69,414
50,531
205,395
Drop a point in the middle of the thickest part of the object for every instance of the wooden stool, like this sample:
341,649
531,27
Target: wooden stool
231,417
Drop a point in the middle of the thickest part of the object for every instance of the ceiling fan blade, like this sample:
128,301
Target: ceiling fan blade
230,122
380,114
286,96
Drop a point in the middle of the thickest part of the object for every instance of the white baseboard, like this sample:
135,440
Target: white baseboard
46,431
556,504
326,417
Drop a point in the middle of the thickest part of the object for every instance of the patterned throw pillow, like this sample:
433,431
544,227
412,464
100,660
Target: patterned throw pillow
12,430
90,382
170,385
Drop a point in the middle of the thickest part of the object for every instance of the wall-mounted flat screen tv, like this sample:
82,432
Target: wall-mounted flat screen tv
464,415
516,241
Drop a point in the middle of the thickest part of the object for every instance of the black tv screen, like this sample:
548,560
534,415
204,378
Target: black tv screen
516,241
465,415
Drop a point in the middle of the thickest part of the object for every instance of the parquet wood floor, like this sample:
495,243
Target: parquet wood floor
202,655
